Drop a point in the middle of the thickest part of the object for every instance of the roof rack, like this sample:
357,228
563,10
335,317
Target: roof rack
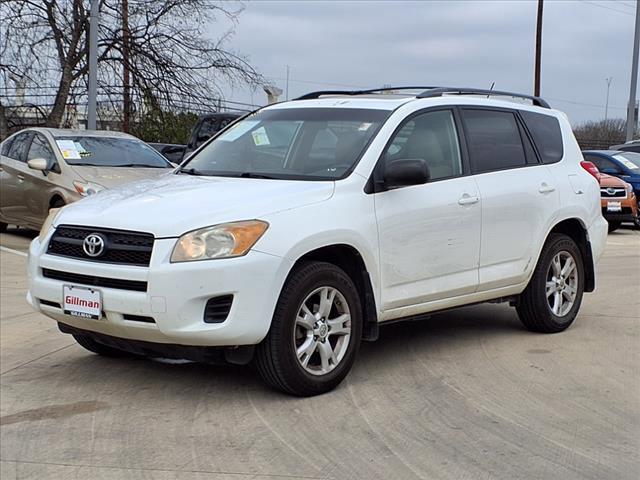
440,91
429,92
318,94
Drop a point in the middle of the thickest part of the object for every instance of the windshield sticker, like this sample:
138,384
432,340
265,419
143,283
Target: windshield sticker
260,137
364,127
627,163
238,130
68,149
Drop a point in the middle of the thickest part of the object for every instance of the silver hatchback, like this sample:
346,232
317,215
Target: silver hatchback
44,168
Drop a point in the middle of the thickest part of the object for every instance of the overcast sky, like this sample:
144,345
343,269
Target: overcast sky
339,44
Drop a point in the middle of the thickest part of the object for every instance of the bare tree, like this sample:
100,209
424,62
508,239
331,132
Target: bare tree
163,50
601,134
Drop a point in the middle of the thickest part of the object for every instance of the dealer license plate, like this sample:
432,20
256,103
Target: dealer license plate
81,302
614,206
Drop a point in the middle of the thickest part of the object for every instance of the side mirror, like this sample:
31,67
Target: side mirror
38,164
405,172
611,171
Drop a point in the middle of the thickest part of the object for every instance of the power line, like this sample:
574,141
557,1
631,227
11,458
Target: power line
625,12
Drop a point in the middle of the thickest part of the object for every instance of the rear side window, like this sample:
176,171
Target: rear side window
546,134
494,141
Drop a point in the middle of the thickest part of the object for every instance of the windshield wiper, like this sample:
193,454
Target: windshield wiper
141,165
256,175
190,171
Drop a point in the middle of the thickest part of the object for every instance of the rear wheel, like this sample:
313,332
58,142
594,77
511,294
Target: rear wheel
552,299
3,226
613,226
315,332
97,347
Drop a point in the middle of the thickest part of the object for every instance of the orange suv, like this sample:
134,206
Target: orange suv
618,202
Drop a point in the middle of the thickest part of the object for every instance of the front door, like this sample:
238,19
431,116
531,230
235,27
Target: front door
429,235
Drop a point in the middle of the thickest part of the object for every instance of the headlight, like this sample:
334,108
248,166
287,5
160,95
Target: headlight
629,188
88,188
48,223
219,241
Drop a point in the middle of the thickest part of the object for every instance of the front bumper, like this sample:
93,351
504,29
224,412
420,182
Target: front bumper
175,298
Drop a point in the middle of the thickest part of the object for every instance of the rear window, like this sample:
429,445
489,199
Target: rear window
546,134
494,140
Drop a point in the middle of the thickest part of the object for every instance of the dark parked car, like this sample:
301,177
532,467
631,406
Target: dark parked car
621,164
171,151
632,146
206,127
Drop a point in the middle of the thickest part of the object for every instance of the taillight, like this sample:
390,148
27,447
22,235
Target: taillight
592,169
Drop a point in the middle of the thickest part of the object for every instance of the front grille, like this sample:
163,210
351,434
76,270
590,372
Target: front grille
120,246
613,192
95,281
217,309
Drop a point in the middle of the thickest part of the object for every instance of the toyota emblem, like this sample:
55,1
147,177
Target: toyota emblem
93,245
611,191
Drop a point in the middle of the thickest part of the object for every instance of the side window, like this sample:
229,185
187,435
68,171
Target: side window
546,134
40,149
602,162
208,127
19,146
433,137
494,140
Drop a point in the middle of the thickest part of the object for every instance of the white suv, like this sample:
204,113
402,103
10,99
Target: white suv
288,237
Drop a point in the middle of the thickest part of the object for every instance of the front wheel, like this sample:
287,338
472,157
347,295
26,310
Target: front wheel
3,226
315,332
552,299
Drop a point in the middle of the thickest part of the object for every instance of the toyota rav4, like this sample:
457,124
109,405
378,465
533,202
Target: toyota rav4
293,233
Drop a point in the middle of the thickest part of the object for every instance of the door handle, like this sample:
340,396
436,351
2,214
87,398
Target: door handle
544,188
467,199
20,177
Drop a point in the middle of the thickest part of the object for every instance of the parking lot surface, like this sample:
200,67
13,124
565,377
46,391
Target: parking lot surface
464,394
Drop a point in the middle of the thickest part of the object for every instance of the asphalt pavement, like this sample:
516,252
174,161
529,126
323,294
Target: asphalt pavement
466,394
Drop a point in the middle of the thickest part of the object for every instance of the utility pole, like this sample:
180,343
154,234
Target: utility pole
126,71
286,95
606,105
631,107
94,19
536,88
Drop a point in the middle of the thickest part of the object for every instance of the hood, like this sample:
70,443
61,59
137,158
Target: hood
175,204
110,177
611,181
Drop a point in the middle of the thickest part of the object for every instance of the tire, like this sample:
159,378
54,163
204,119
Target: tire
277,358
3,226
613,225
96,347
534,307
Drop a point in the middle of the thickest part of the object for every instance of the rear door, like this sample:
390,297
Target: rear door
429,235
14,173
518,195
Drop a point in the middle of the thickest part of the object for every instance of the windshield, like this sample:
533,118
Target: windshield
109,152
290,143
629,160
